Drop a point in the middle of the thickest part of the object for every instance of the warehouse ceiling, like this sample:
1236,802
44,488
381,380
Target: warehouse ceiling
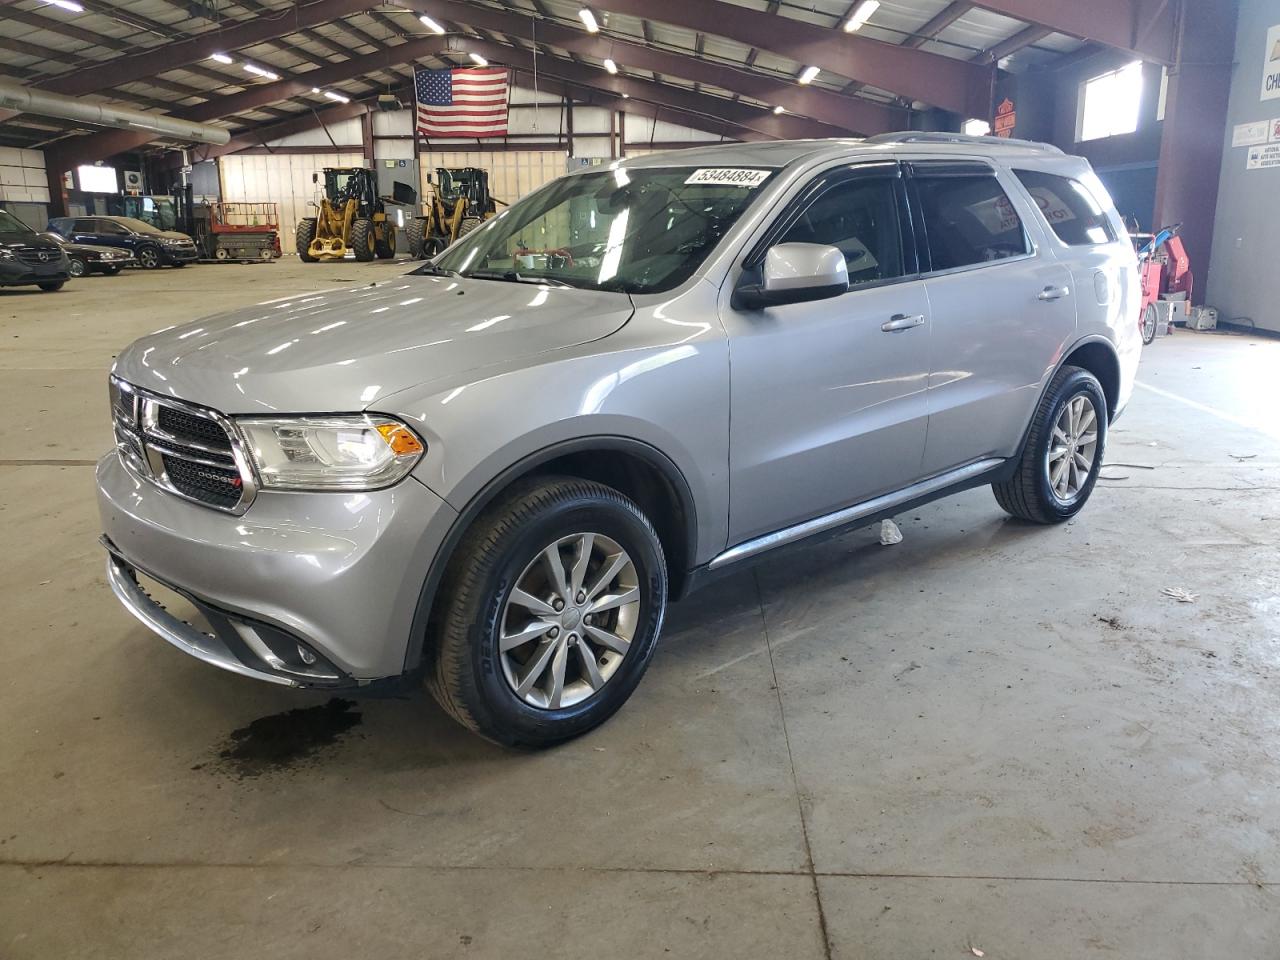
724,65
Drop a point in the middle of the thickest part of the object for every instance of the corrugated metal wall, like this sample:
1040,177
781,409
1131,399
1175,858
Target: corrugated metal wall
280,178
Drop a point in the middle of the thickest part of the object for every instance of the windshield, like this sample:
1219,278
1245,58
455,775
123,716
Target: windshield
11,224
136,225
635,231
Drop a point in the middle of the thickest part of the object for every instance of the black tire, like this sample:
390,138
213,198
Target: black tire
302,237
51,286
433,246
468,224
362,241
386,247
149,257
414,231
464,667
1150,318
76,267
1028,494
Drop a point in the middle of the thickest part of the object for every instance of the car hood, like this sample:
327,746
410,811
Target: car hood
33,240
334,351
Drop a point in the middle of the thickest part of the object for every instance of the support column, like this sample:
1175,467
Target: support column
1195,126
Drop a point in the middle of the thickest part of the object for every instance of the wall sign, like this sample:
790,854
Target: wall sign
1275,130
1247,134
1271,65
1262,158
1006,119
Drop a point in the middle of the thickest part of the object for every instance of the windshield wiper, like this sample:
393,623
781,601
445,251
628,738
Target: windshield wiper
430,269
511,276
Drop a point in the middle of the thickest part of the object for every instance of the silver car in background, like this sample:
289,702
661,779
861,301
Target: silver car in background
494,472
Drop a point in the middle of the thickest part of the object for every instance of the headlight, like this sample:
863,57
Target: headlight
7,254
360,452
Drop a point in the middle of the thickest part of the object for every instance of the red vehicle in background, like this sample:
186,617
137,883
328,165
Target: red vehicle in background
1166,274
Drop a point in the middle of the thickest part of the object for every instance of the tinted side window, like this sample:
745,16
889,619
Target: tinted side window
967,220
86,225
61,226
110,227
860,217
1072,211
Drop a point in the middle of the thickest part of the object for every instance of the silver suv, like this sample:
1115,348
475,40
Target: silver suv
494,472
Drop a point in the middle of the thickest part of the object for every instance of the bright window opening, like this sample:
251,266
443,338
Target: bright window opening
1109,103
976,128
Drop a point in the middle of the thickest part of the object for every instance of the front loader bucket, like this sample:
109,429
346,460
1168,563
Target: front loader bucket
330,248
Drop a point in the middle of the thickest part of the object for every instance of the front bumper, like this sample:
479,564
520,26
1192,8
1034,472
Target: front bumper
18,273
179,254
340,573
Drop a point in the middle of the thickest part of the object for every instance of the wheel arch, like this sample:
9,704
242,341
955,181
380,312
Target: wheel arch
635,468
1099,357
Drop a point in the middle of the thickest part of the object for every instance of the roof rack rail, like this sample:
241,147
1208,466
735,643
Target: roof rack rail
919,136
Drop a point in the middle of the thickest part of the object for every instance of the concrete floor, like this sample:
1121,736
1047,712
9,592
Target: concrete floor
991,736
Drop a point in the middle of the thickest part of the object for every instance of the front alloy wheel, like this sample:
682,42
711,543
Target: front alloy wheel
1073,448
569,621
549,612
76,267
148,258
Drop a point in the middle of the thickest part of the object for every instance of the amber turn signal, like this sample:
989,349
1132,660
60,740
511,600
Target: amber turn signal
401,441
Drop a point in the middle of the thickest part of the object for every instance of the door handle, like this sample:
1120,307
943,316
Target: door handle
901,321
1053,293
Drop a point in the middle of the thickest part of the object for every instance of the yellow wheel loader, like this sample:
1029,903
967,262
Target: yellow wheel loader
351,217
461,202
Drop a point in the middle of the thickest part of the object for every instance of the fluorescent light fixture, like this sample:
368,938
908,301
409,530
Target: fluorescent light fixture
221,58
861,15
66,5
431,24
610,65
807,74
626,96
315,89
479,60
589,20
779,109
337,96
260,71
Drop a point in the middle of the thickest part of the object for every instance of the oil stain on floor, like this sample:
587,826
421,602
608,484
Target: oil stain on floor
285,740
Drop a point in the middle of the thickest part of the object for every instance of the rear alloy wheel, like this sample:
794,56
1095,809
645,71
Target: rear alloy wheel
76,267
149,258
1059,463
1150,317
552,608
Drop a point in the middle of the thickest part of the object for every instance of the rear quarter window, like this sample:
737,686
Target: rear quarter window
1072,211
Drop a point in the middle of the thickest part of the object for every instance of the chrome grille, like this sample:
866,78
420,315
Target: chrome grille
30,255
188,450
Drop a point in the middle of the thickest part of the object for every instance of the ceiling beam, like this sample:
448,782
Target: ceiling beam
99,146
1011,45
185,54
783,126
937,80
1146,28
939,22
847,114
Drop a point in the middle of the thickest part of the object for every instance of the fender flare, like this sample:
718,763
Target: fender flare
466,516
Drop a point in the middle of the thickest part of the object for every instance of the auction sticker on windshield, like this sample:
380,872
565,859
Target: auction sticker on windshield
729,176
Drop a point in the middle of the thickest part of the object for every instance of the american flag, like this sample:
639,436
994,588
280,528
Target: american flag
468,102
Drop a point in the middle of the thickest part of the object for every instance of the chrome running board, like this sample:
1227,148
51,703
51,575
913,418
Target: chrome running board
851,514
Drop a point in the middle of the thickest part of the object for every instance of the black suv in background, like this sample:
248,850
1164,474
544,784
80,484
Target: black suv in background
151,246
27,258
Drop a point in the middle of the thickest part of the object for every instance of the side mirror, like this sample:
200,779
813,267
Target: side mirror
796,273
